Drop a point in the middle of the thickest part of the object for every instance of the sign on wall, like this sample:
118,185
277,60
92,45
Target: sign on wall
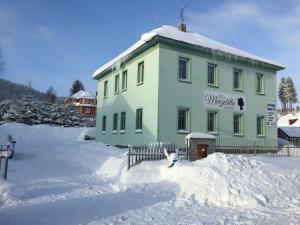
271,115
226,101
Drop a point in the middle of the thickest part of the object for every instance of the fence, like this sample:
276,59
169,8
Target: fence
155,151
266,147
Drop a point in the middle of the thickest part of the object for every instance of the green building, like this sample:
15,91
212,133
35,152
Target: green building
172,82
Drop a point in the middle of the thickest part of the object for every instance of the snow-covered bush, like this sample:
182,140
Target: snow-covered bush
32,111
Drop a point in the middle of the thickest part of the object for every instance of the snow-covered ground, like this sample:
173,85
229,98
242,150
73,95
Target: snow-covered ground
56,178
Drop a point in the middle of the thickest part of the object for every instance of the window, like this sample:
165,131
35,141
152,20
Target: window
139,119
115,122
105,88
87,110
117,78
259,83
103,123
237,80
183,119
124,80
183,69
123,121
140,78
260,125
212,122
211,74
238,124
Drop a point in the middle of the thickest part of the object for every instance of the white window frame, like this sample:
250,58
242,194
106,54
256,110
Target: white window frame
262,84
117,83
138,120
115,123
124,80
105,89
140,73
187,120
87,110
215,122
187,69
240,77
215,75
263,126
240,124
122,129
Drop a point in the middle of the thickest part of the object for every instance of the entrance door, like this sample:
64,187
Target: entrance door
202,151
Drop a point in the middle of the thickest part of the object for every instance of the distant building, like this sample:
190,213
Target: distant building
291,134
84,102
172,82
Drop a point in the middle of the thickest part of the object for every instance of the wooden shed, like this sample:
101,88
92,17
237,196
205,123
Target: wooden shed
199,145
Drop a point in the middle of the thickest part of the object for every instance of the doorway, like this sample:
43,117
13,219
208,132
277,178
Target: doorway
202,151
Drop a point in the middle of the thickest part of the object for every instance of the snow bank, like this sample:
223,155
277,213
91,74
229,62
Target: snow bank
222,180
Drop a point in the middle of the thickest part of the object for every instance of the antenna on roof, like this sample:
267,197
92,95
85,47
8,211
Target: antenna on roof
182,25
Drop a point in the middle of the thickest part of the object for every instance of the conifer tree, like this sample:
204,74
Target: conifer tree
76,86
290,93
281,94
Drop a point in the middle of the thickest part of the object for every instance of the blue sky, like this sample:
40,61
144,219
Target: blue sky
55,42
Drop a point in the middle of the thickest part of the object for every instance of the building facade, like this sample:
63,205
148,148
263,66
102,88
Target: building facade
171,83
84,102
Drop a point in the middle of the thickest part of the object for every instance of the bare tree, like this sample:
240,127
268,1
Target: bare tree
51,95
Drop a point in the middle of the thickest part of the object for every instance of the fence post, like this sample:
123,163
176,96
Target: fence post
5,168
288,151
129,150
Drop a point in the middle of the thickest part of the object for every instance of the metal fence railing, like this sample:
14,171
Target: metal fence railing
154,151
288,150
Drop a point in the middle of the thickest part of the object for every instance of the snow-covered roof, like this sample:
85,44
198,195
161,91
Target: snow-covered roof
291,131
190,38
83,94
283,121
194,135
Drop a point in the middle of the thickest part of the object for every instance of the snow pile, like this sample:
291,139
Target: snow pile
57,179
222,180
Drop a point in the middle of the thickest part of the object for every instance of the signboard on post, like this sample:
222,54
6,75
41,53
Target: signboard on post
271,115
226,101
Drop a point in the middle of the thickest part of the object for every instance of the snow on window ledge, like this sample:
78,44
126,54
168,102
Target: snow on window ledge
139,131
183,131
122,131
114,131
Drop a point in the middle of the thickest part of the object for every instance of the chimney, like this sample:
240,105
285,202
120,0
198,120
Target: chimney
182,26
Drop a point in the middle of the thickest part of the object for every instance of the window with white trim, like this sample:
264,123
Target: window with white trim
105,89
123,121
183,65
139,119
238,124
115,122
260,83
260,125
237,80
117,78
183,119
212,122
124,80
212,75
140,76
